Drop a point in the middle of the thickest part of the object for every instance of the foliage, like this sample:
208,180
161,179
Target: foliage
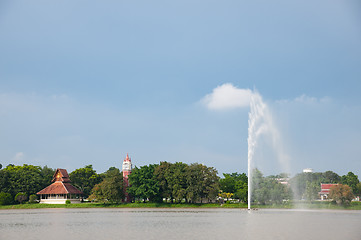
21,197
268,190
5,198
172,180
342,194
143,184
33,198
351,180
235,183
85,179
300,182
202,183
27,178
110,189
312,189
67,202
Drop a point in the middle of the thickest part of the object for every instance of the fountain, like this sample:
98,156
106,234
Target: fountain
260,122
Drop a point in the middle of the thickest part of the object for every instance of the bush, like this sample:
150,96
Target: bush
67,202
33,198
5,198
341,194
21,197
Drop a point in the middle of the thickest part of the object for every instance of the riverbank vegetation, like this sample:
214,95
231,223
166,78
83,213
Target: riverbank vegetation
180,185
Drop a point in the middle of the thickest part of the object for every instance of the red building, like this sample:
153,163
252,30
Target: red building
127,169
325,190
61,190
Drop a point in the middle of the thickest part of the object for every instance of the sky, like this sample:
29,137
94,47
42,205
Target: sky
86,82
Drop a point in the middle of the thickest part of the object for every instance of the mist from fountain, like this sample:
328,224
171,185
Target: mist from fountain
260,123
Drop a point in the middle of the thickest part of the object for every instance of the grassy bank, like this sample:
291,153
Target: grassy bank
298,205
126,205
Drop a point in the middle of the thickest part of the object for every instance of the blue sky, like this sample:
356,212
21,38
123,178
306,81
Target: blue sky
85,82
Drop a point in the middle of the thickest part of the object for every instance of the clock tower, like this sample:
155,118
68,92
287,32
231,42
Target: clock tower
127,169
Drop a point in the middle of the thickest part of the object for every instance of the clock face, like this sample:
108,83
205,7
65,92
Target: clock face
126,166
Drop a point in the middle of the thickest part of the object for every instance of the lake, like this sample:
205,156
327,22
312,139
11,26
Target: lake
176,224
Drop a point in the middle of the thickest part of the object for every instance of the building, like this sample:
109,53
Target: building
325,190
127,169
60,190
308,170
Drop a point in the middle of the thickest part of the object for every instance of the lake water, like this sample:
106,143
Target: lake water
144,224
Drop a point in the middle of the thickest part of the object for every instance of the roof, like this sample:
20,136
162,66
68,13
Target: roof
61,175
60,188
127,159
325,188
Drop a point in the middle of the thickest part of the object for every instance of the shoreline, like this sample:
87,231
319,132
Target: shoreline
316,205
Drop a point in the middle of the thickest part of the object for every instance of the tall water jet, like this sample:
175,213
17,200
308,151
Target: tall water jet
260,122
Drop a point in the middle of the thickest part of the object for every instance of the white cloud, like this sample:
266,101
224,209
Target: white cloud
227,96
305,99
18,157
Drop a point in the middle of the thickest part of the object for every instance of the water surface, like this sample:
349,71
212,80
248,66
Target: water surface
179,224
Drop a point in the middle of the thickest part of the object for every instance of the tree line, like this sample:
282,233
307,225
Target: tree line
171,182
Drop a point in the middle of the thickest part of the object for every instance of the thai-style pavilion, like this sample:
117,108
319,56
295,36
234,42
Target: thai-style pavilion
60,190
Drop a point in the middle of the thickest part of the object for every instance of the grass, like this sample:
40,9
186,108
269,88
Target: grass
312,205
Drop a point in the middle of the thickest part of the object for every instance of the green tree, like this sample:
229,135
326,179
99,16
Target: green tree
358,189
228,183
342,194
330,177
351,180
47,175
312,189
85,179
111,189
202,183
235,183
5,198
26,178
144,184
21,197
267,190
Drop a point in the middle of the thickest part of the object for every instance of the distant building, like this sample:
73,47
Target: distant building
308,170
127,169
61,190
325,190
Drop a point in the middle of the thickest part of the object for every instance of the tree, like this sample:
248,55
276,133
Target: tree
235,183
21,197
342,194
312,189
111,189
47,175
144,184
228,183
351,180
202,182
268,190
26,179
85,179
5,198
331,177
358,189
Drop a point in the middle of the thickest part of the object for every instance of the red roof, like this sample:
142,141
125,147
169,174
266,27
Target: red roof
325,188
60,188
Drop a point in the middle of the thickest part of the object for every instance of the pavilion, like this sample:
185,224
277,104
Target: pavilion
60,190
